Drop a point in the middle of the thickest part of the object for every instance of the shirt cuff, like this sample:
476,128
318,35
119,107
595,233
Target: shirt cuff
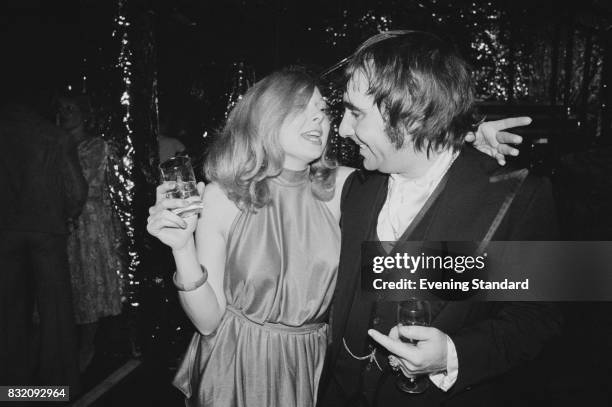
445,380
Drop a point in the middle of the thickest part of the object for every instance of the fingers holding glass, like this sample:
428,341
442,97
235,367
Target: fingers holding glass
178,174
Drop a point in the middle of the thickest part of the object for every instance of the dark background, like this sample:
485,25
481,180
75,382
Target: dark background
191,58
564,47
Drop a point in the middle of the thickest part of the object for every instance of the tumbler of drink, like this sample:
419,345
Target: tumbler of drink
179,170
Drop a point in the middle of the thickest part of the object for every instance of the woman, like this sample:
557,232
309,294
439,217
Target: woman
268,243
94,260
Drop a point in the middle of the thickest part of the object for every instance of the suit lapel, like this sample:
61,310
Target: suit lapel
462,213
357,220
464,206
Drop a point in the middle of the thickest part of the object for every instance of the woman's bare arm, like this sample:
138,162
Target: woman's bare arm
205,306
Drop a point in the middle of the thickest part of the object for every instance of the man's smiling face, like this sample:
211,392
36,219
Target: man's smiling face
364,124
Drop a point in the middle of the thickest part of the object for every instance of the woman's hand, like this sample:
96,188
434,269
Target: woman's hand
491,139
168,227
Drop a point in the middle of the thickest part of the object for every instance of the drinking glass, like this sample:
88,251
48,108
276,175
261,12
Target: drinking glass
179,170
412,312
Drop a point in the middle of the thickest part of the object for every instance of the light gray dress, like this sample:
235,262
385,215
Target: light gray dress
279,279
93,244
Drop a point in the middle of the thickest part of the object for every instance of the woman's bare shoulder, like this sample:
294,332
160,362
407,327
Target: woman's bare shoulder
342,173
219,210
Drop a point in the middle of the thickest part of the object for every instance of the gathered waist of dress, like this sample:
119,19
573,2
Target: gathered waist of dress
275,327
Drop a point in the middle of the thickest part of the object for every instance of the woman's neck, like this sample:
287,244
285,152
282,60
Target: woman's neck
294,165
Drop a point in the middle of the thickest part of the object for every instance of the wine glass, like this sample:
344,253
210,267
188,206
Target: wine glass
179,170
412,312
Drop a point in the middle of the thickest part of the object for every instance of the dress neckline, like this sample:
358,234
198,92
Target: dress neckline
292,177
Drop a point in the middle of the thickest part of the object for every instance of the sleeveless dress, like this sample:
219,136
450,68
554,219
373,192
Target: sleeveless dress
280,276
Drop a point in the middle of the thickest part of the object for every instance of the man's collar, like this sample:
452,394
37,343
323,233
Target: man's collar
440,165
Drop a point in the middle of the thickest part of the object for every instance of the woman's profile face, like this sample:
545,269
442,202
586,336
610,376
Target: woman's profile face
303,135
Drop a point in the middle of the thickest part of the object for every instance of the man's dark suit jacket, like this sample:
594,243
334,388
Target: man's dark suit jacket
42,186
490,338
40,176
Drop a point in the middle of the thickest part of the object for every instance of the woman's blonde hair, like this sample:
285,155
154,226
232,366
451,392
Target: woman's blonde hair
247,152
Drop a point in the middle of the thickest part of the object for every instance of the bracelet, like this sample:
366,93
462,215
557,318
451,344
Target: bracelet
193,286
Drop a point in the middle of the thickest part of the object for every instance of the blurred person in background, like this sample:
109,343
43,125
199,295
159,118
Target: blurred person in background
169,146
43,188
95,234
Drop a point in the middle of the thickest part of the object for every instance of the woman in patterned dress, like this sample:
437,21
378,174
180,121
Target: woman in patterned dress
92,244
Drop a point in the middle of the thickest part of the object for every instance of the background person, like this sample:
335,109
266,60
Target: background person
95,235
43,188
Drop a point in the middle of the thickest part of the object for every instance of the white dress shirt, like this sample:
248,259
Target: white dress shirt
405,198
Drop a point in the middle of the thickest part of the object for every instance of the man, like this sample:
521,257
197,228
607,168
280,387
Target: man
408,106
43,187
